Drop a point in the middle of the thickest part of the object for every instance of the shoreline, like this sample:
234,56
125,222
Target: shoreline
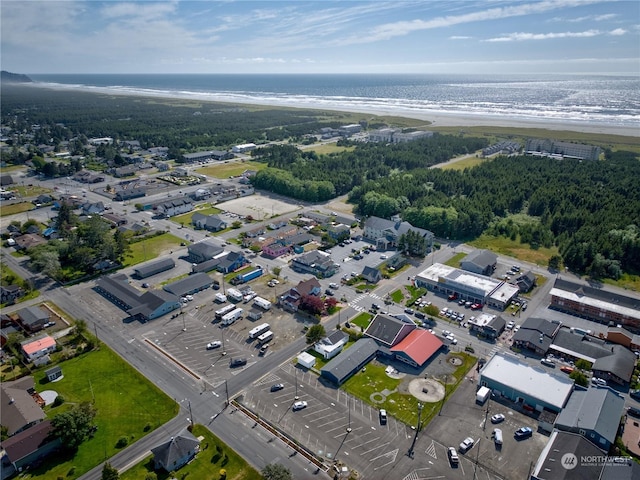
436,118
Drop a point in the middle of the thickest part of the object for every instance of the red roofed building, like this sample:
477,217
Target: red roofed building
417,347
37,348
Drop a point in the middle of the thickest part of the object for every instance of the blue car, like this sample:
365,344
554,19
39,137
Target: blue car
523,432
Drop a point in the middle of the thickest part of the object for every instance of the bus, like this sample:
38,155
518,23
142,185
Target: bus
265,337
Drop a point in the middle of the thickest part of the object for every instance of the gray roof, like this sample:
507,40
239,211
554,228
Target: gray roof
532,328
549,465
155,267
343,365
18,406
31,315
598,294
334,338
620,363
205,249
175,449
597,409
206,266
388,330
371,273
189,284
481,258
399,228
581,345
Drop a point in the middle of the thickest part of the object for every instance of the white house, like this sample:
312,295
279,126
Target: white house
331,345
175,207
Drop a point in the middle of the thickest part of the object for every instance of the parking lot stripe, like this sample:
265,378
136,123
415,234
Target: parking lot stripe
375,448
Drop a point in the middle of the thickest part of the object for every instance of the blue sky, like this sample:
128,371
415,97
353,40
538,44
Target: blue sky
564,36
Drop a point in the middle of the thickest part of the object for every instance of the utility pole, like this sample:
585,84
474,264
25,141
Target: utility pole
226,389
190,415
349,409
296,373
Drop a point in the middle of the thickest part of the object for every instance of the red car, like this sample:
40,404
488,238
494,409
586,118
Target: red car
566,369
476,306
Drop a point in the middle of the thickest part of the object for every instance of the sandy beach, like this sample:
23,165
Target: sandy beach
437,119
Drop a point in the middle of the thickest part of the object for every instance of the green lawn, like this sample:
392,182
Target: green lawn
214,455
7,210
151,248
455,260
127,405
469,162
185,219
362,320
403,407
328,148
230,169
397,296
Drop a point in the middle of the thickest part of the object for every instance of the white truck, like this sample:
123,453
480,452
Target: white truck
232,316
482,395
265,337
262,303
220,298
235,295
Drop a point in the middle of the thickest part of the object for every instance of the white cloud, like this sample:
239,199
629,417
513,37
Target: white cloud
138,10
459,37
617,32
585,18
390,30
522,36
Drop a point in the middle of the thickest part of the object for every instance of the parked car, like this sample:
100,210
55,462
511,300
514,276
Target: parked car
547,362
277,387
237,362
145,285
383,416
453,456
466,444
497,418
299,405
409,311
598,381
635,394
329,292
566,369
334,286
523,432
214,344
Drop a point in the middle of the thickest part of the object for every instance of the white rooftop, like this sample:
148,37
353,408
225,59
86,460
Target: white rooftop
480,284
535,382
593,302
483,319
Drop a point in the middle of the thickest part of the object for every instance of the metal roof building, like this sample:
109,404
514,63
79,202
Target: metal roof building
154,268
520,382
350,361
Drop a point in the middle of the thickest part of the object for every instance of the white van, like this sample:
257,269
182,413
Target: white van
497,436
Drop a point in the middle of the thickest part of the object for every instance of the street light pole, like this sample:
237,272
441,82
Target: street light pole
296,373
349,409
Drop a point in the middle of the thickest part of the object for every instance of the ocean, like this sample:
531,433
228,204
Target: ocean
577,100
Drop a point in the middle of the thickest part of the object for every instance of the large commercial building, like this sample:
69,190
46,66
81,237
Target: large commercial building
564,149
387,232
518,381
596,304
445,280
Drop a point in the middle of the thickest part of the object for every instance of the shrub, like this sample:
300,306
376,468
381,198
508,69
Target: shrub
58,401
122,442
147,427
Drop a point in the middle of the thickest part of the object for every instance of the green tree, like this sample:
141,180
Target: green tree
315,334
555,262
74,426
582,364
46,261
109,472
276,471
579,378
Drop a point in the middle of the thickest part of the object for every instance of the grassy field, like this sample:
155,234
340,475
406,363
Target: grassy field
455,260
328,148
230,169
127,405
628,282
151,248
397,296
214,455
466,161
362,320
21,207
515,249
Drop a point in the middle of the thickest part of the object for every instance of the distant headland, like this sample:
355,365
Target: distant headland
8,77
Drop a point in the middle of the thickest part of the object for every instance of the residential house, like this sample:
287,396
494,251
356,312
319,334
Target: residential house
33,319
331,345
482,262
339,231
29,240
92,208
19,408
315,262
177,452
291,300
33,349
29,447
175,207
232,262
129,193
371,275
212,223
10,293
593,413
126,171
526,282
203,251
